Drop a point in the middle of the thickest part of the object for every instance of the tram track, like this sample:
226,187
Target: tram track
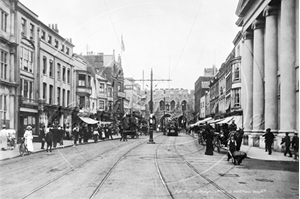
220,189
112,168
73,169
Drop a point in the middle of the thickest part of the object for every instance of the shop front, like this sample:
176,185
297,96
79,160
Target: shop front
28,116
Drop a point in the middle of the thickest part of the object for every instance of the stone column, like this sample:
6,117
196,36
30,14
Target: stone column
287,60
271,68
258,76
247,80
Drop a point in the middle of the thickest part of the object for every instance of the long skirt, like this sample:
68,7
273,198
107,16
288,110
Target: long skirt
209,147
29,145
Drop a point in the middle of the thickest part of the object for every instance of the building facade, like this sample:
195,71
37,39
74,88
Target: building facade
269,67
55,77
9,104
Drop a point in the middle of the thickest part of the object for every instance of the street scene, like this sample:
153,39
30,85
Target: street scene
149,99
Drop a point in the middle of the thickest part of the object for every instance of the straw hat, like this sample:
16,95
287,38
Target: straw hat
29,128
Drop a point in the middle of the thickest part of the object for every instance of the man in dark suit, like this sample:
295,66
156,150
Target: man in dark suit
287,141
269,136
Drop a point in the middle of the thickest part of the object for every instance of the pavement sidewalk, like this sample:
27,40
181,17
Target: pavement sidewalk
7,154
259,153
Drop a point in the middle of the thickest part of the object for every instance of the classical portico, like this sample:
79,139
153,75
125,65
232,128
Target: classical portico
269,68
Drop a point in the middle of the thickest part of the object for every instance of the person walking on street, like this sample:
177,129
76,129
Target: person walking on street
269,136
231,147
287,141
109,130
49,138
42,136
295,145
29,137
75,134
240,134
209,139
3,137
80,135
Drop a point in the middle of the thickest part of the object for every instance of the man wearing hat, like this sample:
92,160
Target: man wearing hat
295,145
287,141
269,136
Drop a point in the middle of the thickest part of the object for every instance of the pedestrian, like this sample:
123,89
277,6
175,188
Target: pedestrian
269,136
232,126
61,133
29,137
231,147
80,135
3,137
240,134
209,140
11,138
42,135
75,134
49,138
295,145
55,135
109,130
85,134
287,141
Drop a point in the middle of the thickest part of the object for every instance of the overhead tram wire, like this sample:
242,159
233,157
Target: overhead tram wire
187,38
117,35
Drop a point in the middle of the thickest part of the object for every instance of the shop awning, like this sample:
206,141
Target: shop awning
226,120
215,121
88,120
238,120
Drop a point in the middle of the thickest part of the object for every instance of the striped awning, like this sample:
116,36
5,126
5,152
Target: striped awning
88,120
226,120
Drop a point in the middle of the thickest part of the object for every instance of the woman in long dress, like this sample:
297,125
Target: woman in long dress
28,136
209,143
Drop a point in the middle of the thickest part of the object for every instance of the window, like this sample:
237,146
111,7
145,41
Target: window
62,48
236,95
31,31
81,80
81,101
119,86
67,50
101,88
237,71
68,76
58,71
56,43
101,104
44,65
58,96
109,92
63,97
23,27
50,94
49,39
43,35
3,106
26,60
89,81
68,98
50,68
4,21
3,69
44,90
26,89
64,74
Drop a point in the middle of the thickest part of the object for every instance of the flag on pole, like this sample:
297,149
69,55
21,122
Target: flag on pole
122,44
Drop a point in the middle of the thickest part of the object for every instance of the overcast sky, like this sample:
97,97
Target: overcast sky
176,38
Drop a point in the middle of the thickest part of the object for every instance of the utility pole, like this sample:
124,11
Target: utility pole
153,126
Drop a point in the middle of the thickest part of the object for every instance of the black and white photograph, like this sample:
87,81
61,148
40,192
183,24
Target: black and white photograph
149,99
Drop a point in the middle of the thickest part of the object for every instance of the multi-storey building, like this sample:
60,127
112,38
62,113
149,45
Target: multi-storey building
55,76
135,96
9,77
202,85
27,52
111,69
270,67
202,107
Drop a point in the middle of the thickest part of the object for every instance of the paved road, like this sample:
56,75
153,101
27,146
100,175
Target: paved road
174,167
